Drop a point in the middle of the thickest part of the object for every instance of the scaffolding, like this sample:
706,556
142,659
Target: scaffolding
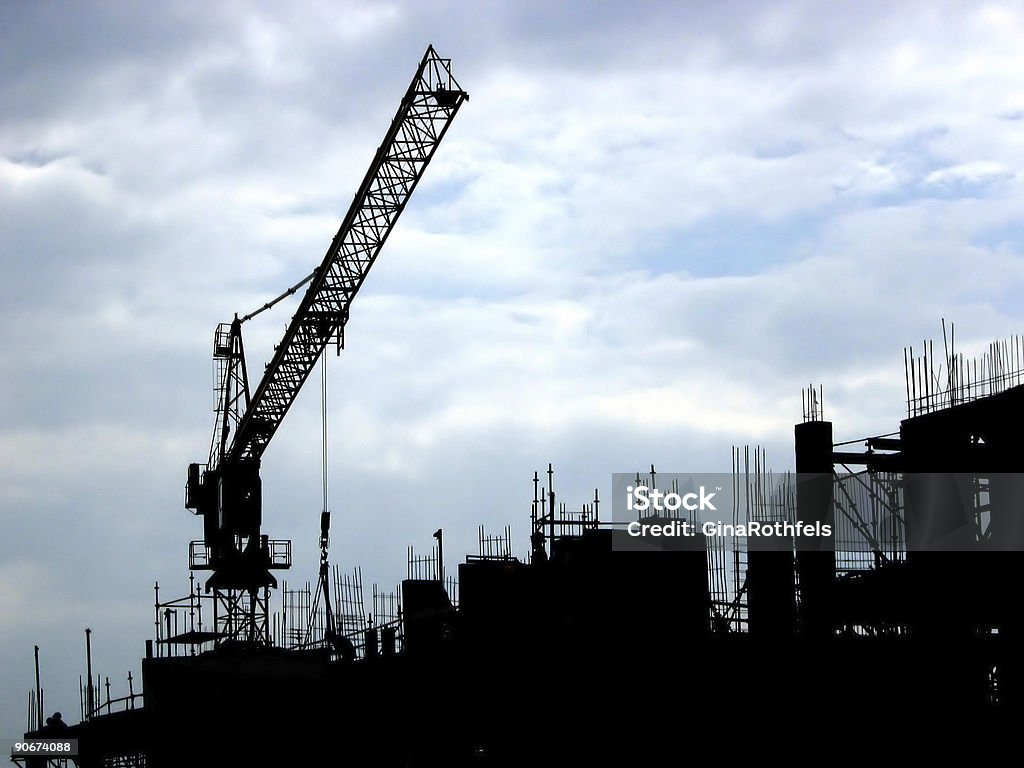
870,527
551,520
493,547
350,611
179,625
294,619
423,567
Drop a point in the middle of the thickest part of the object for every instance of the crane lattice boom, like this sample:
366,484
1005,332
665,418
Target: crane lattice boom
426,112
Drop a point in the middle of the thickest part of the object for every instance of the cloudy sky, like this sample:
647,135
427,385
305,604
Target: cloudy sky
648,229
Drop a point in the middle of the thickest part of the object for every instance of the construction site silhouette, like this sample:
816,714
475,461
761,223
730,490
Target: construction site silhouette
898,631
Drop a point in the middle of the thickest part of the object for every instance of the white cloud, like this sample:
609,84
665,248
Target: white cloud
975,172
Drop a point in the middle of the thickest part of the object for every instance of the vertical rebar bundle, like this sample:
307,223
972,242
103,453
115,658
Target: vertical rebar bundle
959,380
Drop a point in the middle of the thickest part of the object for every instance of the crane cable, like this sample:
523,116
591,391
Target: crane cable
323,416
323,377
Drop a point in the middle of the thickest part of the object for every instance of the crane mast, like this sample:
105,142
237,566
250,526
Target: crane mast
227,491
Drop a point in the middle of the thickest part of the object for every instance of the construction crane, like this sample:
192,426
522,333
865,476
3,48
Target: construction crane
227,491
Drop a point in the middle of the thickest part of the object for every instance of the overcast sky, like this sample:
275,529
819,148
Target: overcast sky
648,229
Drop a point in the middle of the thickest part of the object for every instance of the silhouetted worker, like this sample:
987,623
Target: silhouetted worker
55,723
540,555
